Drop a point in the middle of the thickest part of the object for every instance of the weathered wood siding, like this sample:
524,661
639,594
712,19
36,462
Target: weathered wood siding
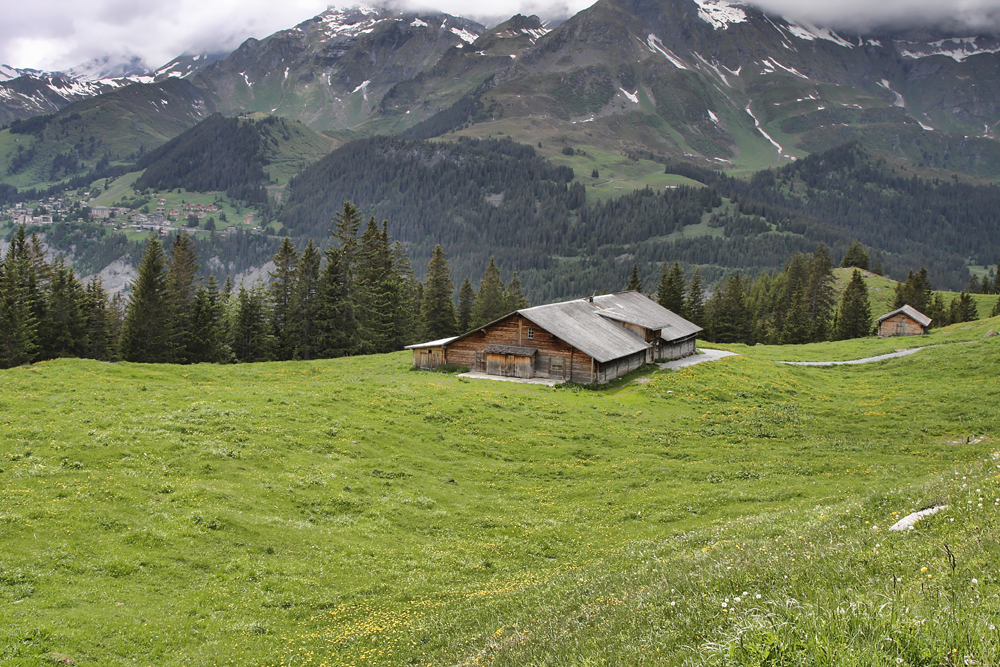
555,359
429,357
610,370
677,350
510,365
899,325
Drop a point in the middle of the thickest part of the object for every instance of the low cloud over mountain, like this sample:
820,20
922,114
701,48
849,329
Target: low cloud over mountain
59,34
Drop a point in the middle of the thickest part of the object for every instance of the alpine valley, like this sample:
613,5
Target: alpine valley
625,95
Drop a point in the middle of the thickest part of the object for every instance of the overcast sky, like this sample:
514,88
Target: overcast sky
58,34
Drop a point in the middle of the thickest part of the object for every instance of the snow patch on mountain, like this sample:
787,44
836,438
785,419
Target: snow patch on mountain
655,45
720,14
781,151
811,33
900,100
465,35
633,97
957,48
417,23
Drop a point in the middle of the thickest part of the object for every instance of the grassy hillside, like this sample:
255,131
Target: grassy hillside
357,512
882,293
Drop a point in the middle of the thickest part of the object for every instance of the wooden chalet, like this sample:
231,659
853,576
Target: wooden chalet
906,321
587,340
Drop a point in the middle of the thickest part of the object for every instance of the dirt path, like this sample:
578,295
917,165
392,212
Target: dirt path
856,362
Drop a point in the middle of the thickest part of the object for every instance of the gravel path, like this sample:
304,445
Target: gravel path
855,362
706,355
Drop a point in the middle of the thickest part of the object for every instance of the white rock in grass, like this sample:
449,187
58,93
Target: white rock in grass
907,522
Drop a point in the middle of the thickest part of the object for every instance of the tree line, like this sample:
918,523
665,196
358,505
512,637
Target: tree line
359,296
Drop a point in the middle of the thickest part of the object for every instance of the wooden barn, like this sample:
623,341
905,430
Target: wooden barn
587,340
906,321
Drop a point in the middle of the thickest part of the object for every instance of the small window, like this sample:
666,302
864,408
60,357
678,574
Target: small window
531,332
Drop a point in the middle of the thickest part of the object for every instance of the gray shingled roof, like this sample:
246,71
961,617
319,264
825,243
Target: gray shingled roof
910,312
577,323
635,308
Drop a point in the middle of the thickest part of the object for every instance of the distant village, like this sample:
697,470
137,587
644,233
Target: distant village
163,221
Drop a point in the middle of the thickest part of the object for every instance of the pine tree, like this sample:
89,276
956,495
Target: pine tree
634,284
306,304
182,286
252,339
996,309
438,311
336,325
670,293
694,303
728,312
466,300
985,287
514,296
820,294
282,293
855,257
855,318
208,327
100,338
877,269
19,340
490,303
66,318
146,330
996,280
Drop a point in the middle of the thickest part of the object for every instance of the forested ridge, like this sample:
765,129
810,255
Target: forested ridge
481,198
218,154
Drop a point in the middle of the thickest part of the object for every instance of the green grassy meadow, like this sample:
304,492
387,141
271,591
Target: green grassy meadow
355,512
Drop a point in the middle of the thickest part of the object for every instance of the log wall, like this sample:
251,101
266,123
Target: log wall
555,359
899,325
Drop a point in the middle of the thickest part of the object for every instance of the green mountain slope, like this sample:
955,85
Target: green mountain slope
116,127
233,155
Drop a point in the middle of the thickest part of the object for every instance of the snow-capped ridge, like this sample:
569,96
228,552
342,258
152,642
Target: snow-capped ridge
720,14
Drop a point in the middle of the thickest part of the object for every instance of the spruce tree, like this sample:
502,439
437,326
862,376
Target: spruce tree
996,309
146,331
182,286
855,318
670,293
306,305
877,269
728,312
855,257
336,324
19,340
252,338
466,300
282,293
634,284
438,312
820,293
694,303
100,338
208,326
490,303
66,317
514,296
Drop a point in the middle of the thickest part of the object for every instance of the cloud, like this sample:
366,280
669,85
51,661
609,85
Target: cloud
975,15
58,34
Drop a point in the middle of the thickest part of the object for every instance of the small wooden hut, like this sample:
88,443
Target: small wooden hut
905,321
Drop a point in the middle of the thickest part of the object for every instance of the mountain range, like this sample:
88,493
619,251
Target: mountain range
698,86
709,80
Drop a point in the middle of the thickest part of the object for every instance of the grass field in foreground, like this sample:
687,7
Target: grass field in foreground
353,511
